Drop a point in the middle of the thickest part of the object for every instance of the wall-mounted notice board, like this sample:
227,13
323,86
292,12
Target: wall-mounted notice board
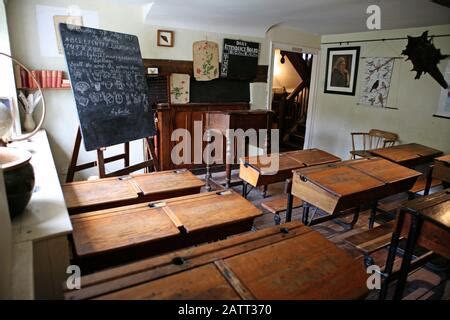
109,85
239,59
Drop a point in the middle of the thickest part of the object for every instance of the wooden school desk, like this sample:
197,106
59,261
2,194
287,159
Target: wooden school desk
255,173
237,119
291,262
410,155
113,236
336,187
426,222
84,196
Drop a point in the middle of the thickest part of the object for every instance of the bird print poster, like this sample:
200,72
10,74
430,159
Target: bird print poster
376,81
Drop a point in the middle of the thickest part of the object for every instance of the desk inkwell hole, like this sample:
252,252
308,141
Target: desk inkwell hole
178,261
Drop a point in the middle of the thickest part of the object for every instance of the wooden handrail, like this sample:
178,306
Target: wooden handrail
296,91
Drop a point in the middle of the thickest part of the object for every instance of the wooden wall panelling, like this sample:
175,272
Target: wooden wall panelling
182,66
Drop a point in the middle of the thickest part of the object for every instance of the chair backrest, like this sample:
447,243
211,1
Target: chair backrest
381,139
373,139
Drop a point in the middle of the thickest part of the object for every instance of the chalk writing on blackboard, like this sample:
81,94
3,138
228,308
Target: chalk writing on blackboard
109,85
239,59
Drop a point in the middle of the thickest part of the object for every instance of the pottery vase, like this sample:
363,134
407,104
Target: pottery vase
28,122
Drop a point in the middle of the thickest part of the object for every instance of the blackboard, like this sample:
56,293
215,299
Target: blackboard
109,85
219,90
239,59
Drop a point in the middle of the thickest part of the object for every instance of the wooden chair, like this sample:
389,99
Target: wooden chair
373,139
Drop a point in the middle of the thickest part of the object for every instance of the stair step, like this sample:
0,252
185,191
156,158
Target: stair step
297,138
298,135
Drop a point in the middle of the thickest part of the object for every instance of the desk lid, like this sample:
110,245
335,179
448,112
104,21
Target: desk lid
107,190
126,226
386,171
340,180
444,159
395,154
419,149
163,181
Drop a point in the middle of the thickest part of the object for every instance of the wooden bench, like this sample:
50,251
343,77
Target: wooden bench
277,204
113,236
372,240
292,262
85,196
421,185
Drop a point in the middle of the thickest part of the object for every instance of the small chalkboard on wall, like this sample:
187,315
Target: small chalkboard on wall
109,85
239,59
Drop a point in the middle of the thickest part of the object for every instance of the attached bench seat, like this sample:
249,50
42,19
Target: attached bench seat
373,239
420,185
278,204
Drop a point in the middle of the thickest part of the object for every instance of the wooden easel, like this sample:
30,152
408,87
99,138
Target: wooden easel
149,163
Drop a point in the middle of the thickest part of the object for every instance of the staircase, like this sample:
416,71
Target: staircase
291,109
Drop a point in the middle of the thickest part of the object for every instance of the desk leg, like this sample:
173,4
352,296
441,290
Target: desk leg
228,163
413,234
373,214
208,164
208,177
228,176
290,201
305,213
264,191
244,189
395,239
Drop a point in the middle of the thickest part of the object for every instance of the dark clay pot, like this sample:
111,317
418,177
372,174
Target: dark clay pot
19,178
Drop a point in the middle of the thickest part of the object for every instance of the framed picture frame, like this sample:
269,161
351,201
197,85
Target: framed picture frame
9,103
165,38
74,20
153,71
342,70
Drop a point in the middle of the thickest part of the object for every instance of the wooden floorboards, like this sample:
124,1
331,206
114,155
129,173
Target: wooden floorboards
425,283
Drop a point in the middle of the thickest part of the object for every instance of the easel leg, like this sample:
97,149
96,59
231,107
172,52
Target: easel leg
73,161
101,163
126,151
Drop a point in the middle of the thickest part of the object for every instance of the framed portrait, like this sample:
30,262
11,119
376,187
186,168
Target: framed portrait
165,38
341,70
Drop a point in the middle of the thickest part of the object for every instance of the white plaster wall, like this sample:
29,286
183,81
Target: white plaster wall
61,121
416,100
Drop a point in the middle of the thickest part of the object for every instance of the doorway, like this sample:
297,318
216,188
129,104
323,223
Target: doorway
291,94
